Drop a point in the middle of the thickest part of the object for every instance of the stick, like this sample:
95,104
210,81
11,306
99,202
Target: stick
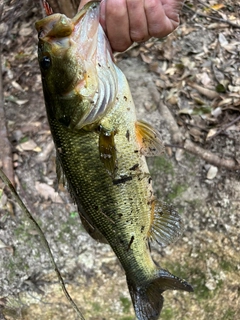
210,157
224,128
234,25
5,147
43,239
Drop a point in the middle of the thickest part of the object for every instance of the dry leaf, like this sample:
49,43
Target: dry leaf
188,63
204,78
48,192
179,154
171,71
234,89
16,85
206,92
25,31
211,133
20,102
217,6
145,58
216,112
27,146
222,40
2,244
231,47
212,172
37,149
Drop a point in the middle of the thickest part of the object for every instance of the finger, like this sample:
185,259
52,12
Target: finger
159,24
82,4
138,26
172,9
102,11
117,24
103,14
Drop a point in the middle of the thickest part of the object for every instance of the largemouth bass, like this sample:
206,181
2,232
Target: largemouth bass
101,149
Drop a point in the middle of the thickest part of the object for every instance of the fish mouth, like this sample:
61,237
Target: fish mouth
81,42
57,29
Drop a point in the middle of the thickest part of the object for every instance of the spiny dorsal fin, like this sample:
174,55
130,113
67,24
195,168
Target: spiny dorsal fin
167,225
149,139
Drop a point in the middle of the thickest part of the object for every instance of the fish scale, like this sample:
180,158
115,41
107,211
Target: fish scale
101,149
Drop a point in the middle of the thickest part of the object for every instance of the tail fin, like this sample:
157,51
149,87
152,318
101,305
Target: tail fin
148,300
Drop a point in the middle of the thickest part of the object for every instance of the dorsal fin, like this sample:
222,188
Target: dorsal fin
47,8
149,139
166,225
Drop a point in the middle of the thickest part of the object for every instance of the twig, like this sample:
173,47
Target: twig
224,128
5,147
210,157
207,6
234,25
43,239
210,94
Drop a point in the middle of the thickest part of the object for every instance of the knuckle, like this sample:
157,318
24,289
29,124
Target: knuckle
151,5
137,36
120,45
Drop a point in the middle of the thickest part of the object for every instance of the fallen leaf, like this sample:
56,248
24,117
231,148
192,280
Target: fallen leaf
212,172
234,88
179,154
216,112
232,47
204,91
222,39
16,85
204,78
171,71
211,133
217,6
20,102
37,149
145,58
25,31
48,192
2,244
27,146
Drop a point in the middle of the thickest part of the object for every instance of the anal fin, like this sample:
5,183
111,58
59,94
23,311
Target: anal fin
166,225
149,139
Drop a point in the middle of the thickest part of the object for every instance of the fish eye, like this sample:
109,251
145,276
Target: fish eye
45,63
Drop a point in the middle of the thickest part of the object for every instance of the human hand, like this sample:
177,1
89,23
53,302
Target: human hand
128,21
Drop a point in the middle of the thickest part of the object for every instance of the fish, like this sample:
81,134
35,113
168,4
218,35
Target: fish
101,150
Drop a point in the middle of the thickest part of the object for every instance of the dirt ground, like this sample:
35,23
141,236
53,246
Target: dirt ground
188,87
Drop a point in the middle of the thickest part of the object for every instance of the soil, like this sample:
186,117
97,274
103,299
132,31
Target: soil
163,77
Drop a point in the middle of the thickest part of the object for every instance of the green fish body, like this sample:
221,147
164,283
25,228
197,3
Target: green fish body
101,149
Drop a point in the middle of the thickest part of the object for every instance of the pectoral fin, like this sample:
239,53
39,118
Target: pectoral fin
149,139
166,226
107,150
